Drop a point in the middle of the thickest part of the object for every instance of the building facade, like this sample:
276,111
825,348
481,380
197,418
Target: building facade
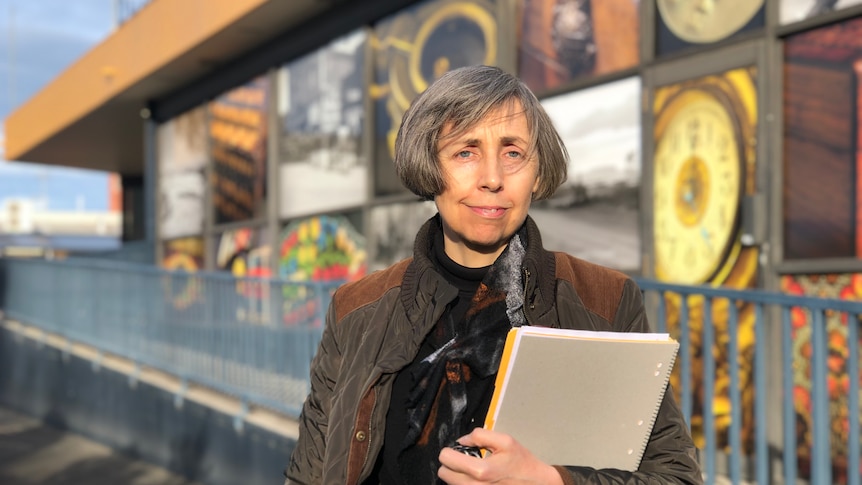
712,142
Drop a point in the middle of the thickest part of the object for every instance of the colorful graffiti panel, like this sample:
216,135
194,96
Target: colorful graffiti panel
243,252
595,213
411,50
245,255
182,157
238,146
322,111
563,40
822,113
838,286
316,255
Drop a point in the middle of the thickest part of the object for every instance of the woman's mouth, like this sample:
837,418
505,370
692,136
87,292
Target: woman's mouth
489,211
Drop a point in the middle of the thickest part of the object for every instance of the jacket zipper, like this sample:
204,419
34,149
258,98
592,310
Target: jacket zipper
526,306
370,434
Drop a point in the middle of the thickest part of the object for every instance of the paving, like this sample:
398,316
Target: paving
33,453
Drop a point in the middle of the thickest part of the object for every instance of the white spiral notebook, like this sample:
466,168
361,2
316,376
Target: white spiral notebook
581,398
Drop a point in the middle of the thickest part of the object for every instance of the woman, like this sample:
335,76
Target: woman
408,357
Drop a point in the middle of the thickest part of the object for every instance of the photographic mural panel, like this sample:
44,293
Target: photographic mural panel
822,156
238,133
182,158
595,213
412,49
393,230
563,40
688,24
322,118
838,286
705,138
796,10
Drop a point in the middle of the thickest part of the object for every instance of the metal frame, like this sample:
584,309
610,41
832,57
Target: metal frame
713,61
779,265
273,163
151,188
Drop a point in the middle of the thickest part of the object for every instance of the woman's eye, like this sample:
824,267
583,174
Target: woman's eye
464,154
514,155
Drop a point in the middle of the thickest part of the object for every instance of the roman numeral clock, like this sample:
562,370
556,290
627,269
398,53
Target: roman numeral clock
705,144
690,24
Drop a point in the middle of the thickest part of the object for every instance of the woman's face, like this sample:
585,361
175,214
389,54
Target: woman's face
489,185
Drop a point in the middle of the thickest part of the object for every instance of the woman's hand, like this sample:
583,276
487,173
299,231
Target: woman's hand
506,462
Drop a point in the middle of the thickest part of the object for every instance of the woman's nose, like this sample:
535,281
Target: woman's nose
491,177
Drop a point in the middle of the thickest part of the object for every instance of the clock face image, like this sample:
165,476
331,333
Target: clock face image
697,186
705,21
414,47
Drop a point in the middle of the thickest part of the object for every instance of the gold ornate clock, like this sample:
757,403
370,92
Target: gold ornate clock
704,147
705,21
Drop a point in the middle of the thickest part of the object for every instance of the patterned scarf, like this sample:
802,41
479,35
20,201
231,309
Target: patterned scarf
437,403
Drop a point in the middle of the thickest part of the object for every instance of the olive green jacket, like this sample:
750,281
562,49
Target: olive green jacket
374,328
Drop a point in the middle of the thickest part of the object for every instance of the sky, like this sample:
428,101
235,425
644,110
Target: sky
38,40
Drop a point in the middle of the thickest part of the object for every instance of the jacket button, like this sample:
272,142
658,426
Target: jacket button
360,436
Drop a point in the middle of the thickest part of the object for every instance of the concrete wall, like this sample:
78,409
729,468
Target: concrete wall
140,420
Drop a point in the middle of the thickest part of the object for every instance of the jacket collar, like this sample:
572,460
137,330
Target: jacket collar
423,286
540,271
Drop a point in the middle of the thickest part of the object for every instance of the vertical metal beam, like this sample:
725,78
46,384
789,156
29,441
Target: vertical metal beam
273,165
151,186
507,43
209,208
273,291
367,141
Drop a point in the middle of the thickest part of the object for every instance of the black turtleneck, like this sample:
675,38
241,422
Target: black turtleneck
466,280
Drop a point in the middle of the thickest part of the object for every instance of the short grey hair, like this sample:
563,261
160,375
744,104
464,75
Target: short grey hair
463,97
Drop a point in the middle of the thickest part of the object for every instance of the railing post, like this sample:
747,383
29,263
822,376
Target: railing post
788,412
820,454
761,450
685,359
661,313
734,437
708,389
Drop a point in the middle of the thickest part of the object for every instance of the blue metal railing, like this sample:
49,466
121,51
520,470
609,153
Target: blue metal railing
255,339
249,338
760,303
